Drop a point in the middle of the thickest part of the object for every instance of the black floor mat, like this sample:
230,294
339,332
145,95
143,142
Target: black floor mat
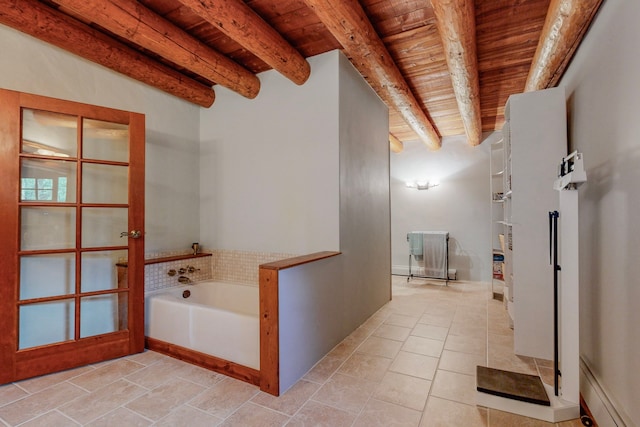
512,385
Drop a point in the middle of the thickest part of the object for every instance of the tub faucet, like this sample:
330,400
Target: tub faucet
184,279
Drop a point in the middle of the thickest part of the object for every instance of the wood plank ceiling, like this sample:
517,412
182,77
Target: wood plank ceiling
444,67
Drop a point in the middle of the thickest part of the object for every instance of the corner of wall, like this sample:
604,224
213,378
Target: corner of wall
365,216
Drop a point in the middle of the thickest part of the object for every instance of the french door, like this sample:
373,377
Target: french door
72,231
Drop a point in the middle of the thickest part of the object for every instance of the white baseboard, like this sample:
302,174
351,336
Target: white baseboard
403,270
400,270
559,410
600,405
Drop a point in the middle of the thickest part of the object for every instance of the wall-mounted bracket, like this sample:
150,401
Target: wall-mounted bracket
571,172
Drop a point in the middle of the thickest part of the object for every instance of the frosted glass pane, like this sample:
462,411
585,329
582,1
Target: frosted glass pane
99,271
105,184
105,141
102,227
46,323
49,134
47,275
48,181
102,314
47,228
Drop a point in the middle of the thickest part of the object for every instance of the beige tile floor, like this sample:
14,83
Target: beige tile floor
411,364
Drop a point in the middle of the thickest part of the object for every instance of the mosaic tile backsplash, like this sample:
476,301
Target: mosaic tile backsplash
224,266
241,266
156,275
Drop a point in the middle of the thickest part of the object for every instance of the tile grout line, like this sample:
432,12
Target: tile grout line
310,398
429,395
467,298
122,405
371,396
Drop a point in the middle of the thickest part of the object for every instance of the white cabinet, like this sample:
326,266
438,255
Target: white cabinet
535,140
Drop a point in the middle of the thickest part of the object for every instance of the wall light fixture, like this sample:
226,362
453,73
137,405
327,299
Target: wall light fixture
423,185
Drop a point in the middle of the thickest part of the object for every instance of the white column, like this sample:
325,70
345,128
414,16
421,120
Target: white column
569,328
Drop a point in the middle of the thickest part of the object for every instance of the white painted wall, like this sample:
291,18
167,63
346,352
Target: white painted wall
302,169
604,106
459,205
172,189
269,166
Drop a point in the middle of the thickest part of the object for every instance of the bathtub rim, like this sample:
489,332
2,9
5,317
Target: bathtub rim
191,285
181,288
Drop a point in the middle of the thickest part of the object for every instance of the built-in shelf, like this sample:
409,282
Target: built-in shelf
497,173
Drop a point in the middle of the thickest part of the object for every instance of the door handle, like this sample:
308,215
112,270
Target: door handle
134,234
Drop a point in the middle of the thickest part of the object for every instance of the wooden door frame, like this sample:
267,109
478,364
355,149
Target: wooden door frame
9,231
41,360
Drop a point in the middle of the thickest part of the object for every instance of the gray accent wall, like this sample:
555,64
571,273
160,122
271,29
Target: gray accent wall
365,217
311,316
603,97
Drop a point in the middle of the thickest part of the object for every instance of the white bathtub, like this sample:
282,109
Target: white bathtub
218,319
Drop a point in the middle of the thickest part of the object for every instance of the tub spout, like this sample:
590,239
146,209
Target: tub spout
184,279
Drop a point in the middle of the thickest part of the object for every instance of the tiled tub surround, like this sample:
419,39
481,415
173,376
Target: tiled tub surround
228,266
241,266
156,274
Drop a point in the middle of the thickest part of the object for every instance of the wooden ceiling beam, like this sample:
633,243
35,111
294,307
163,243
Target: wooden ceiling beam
349,24
47,24
395,144
564,27
456,24
239,22
133,21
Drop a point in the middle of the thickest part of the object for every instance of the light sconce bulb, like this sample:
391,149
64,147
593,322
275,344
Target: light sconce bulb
422,185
